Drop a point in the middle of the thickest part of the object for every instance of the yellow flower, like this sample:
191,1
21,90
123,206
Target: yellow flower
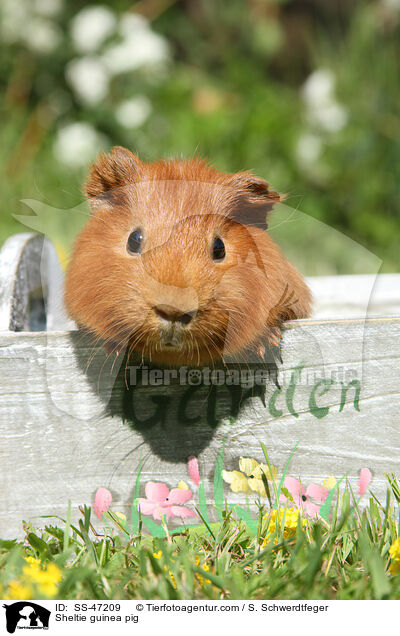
35,578
172,578
18,591
394,549
35,563
158,555
45,579
394,552
250,479
394,567
182,485
204,567
291,521
330,482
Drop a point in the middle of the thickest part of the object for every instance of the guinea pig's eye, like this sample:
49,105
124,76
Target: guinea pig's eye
135,240
218,249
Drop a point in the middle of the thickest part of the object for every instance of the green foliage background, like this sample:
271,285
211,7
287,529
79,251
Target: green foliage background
230,91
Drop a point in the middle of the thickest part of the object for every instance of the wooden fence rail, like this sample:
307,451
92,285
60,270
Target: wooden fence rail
72,420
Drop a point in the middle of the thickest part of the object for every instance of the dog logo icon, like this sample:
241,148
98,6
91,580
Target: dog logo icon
26,615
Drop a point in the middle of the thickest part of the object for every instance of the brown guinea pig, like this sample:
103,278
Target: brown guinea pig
174,262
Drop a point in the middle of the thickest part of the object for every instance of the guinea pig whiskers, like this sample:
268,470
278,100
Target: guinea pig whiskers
208,337
93,353
227,307
191,347
128,355
118,346
124,458
149,348
135,342
222,333
197,346
130,349
213,346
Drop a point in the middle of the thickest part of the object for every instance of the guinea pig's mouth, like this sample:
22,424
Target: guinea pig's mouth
171,345
171,339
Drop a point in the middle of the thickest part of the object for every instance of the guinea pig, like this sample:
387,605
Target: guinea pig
175,264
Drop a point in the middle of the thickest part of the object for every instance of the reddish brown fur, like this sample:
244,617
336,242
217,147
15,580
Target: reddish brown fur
180,205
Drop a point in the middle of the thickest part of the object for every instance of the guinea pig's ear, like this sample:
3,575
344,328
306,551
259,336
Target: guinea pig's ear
253,200
109,175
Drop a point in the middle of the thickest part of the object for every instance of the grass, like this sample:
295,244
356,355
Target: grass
344,557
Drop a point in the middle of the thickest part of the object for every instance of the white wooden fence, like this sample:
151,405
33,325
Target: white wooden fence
68,424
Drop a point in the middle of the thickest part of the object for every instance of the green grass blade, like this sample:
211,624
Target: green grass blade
67,528
203,504
285,470
266,485
218,482
154,529
326,506
206,523
245,516
134,507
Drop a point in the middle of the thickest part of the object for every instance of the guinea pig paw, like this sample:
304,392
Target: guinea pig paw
274,337
260,349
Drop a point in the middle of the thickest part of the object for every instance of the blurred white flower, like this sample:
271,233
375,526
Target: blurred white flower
88,78
323,110
77,144
131,22
133,112
139,47
331,117
309,148
91,26
47,7
392,4
42,35
318,87
14,17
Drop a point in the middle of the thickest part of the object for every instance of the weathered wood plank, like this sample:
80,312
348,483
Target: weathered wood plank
62,432
351,296
68,422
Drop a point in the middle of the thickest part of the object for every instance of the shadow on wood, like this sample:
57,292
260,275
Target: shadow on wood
175,411
73,419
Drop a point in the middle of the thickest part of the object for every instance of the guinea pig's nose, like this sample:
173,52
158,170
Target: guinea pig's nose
171,314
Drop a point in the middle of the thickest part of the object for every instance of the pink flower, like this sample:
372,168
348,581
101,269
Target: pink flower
365,478
102,501
161,501
193,470
310,500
